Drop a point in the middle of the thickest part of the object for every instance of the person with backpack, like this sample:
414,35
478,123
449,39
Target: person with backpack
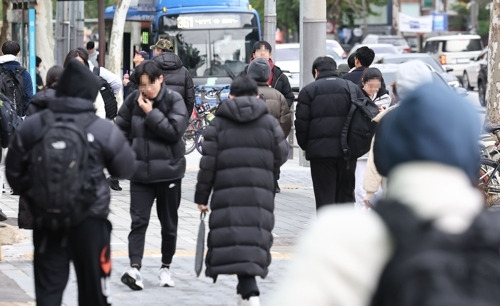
322,110
154,119
175,75
19,87
363,58
42,98
56,161
243,150
429,241
259,70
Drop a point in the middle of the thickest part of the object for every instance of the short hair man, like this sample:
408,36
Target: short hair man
175,75
93,54
128,79
322,109
362,60
154,119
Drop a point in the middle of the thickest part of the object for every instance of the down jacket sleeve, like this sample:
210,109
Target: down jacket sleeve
169,126
208,163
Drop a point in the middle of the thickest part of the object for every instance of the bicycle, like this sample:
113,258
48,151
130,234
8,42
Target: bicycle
489,171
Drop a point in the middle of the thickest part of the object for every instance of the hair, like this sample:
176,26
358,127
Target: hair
365,56
53,75
350,60
90,45
38,60
150,68
261,43
11,47
324,63
77,53
370,74
243,86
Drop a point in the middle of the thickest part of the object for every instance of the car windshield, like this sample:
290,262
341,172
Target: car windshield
462,45
379,50
293,54
395,41
428,60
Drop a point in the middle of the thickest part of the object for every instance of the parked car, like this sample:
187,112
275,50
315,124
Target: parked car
397,41
471,71
451,79
482,82
287,57
335,46
381,50
454,51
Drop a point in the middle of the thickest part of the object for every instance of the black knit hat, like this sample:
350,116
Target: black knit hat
77,81
259,70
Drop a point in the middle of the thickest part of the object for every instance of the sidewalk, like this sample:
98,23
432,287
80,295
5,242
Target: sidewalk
294,210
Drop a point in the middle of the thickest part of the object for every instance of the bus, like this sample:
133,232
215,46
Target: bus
213,38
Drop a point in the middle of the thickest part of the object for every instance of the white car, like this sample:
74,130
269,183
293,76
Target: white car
381,50
335,46
471,71
397,41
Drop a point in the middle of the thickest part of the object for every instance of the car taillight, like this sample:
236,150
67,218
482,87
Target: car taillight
407,50
344,54
442,59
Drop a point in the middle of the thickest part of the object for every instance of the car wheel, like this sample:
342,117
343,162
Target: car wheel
466,82
481,92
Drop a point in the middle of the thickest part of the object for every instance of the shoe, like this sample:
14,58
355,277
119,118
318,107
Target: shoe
3,216
165,278
133,279
252,301
114,184
278,189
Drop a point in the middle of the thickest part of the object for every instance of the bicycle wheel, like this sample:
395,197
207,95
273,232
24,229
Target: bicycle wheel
189,136
199,140
489,181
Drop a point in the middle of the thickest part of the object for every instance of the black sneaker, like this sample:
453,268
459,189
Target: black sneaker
3,217
114,184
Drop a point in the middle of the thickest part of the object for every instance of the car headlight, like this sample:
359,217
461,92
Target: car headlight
454,83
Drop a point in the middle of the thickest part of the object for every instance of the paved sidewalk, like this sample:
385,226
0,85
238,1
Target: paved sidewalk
294,211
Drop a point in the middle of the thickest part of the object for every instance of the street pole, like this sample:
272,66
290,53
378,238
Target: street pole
102,33
312,42
270,23
473,16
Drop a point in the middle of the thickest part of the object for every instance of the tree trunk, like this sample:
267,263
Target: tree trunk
44,35
116,41
493,87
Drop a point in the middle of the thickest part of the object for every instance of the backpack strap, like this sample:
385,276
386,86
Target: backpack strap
347,124
97,71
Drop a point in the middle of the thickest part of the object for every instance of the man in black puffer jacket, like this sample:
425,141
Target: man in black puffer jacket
175,75
322,109
154,119
88,242
243,148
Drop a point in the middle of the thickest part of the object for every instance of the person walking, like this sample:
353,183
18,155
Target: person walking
175,75
154,119
322,109
259,70
128,84
243,148
87,243
363,58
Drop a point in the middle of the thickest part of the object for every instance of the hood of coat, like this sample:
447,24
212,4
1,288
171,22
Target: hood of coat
242,109
168,61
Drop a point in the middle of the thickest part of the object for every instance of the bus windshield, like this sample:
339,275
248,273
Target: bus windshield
215,46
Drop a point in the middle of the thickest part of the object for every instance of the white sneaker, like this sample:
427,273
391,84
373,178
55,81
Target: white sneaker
133,279
165,278
252,301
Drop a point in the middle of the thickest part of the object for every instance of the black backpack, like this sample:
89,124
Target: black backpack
14,87
110,104
62,187
9,120
433,268
359,127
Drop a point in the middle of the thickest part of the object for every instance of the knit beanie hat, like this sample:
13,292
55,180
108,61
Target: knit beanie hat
259,69
432,123
410,75
77,81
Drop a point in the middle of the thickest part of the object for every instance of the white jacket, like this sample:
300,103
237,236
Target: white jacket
340,258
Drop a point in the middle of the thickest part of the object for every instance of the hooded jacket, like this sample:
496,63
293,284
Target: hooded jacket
277,106
177,77
321,112
243,149
156,137
109,148
11,62
40,101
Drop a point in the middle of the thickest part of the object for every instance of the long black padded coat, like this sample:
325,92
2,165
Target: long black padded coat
156,138
242,152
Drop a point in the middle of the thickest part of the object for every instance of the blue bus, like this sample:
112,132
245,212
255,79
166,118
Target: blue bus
213,38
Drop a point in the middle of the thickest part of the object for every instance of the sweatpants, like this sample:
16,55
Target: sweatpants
247,286
142,197
333,180
88,247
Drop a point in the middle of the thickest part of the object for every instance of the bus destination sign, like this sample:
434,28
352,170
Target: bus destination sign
202,21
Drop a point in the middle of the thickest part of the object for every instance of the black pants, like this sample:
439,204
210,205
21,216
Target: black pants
88,246
333,180
168,198
247,286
